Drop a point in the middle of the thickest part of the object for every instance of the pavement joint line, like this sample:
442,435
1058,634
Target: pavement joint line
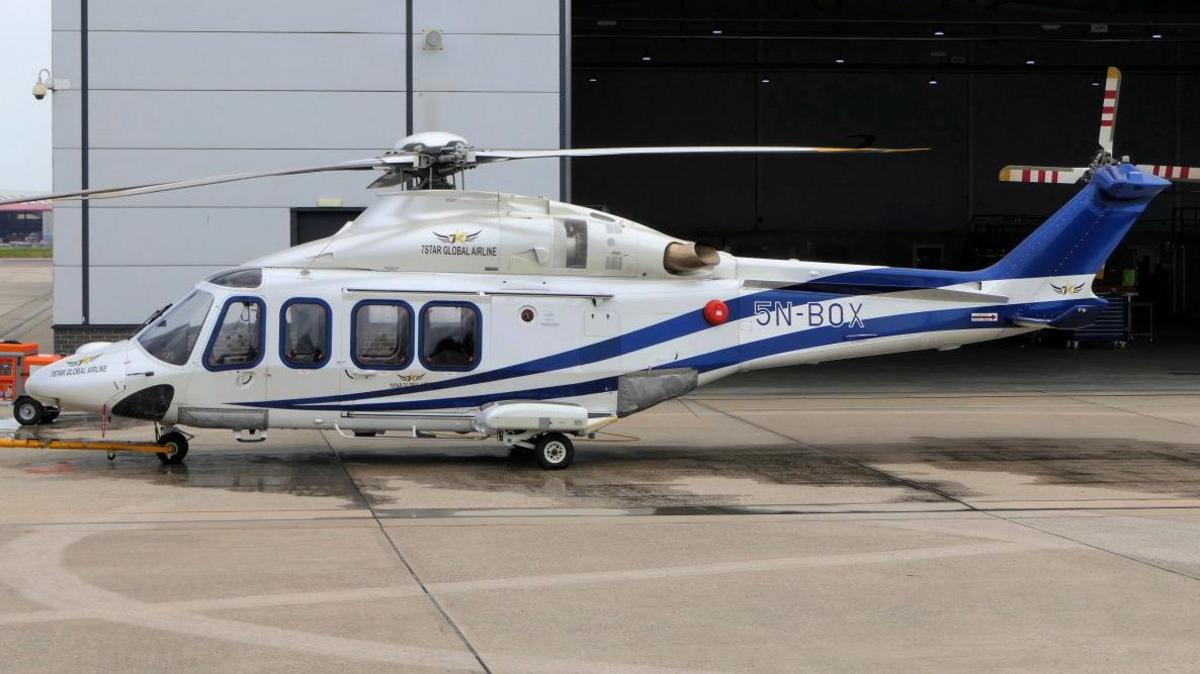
1138,413
987,511
400,555
22,322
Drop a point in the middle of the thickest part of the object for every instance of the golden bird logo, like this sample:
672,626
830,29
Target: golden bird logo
458,236
1068,289
82,360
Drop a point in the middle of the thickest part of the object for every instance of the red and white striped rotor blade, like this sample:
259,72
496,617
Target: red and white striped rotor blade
1041,174
1108,109
1183,174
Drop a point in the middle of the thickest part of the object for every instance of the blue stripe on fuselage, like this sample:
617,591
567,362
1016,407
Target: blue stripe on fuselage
886,326
678,326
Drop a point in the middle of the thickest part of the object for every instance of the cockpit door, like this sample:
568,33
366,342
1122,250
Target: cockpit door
234,355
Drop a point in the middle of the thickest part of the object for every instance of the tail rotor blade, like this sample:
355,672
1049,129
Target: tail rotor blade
1179,174
1041,174
1108,109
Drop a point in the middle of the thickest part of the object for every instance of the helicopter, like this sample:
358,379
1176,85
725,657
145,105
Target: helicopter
538,322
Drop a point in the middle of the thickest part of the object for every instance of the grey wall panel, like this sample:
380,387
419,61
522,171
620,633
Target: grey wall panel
68,307
247,61
489,63
66,123
223,237
201,119
64,14
487,16
112,301
67,248
128,167
502,120
64,56
535,177
65,164
372,16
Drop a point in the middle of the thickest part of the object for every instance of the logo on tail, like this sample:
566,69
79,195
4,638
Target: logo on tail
1068,289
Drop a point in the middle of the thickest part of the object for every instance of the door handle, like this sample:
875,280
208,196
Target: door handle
360,374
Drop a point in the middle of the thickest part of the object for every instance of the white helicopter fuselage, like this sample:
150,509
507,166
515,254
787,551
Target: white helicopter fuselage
513,316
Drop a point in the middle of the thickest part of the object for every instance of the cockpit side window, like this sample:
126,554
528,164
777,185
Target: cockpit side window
237,339
304,333
172,336
237,278
450,333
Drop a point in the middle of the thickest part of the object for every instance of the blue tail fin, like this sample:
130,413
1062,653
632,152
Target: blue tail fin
1083,233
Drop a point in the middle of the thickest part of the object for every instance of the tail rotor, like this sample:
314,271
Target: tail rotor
1105,154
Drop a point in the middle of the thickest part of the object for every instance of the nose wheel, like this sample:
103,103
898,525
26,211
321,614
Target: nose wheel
175,447
28,412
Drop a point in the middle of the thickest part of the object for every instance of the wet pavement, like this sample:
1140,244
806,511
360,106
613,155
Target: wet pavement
735,530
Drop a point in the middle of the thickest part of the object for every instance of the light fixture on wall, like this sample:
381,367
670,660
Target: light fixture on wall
1031,62
593,79
646,58
938,32
839,60
717,31
1095,81
933,80
764,79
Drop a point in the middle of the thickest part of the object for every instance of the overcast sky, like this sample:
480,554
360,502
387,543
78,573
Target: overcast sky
24,122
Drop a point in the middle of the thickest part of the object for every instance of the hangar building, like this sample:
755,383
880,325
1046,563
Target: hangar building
173,90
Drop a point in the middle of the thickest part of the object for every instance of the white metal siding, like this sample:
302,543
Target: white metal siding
189,89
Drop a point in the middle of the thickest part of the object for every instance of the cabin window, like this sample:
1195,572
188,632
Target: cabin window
172,336
304,333
237,339
450,336
381,336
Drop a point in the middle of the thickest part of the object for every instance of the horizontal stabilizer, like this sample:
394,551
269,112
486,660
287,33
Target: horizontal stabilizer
1041,174
1075,317
1183,174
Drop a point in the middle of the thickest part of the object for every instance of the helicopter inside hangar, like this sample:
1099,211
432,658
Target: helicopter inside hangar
611,329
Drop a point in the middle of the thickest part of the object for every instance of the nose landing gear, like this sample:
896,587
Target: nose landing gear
175,446
30,412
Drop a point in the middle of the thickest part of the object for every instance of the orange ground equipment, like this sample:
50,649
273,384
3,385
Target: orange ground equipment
18,360
12,368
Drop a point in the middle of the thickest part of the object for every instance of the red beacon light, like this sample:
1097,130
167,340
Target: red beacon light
716,312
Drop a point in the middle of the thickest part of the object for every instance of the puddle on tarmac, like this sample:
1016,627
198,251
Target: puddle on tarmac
645,478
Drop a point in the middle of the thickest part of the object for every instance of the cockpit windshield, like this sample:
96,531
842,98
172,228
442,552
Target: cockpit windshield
172,336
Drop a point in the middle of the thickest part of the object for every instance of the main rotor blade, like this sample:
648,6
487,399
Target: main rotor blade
1041,174
384,162
1108,109
487,156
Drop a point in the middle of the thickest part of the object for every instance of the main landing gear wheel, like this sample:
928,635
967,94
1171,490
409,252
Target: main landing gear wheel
554,451
28,412
176,445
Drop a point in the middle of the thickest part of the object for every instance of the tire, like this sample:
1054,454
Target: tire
27,411
177,447
555,451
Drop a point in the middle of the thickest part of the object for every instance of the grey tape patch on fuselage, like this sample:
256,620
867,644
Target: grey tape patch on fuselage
202,417
637,391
